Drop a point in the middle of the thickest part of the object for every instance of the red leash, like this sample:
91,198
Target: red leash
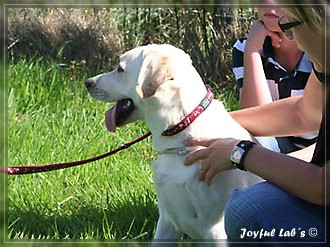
184,123
20,170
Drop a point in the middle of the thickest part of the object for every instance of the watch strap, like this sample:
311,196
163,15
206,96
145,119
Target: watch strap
239,152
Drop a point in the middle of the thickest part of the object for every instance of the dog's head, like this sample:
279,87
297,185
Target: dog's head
139,73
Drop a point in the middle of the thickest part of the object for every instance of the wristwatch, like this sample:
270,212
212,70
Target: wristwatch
239,152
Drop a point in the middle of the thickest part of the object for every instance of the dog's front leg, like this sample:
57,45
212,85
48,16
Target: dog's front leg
166,234
166,230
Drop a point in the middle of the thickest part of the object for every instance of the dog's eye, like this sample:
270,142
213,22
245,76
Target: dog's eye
120,69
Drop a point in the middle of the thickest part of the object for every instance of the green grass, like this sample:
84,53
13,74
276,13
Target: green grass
53,119
3,154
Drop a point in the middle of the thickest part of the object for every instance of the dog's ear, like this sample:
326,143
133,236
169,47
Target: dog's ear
155,70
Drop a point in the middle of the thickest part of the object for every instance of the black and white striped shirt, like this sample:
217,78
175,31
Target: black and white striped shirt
281,83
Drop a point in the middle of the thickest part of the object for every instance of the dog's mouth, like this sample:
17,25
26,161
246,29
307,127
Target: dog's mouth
117,115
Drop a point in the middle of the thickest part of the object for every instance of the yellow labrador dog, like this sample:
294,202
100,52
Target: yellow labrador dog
159,85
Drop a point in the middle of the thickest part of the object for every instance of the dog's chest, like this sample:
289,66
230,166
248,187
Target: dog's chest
187,202
170,169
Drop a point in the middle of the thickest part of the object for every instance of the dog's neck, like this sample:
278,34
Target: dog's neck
192,116
165,110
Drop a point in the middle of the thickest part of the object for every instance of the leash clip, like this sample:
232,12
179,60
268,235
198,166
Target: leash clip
182,151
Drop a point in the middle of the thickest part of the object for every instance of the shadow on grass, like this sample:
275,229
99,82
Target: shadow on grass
125,221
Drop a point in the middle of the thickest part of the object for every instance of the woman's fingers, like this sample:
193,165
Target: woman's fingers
196,156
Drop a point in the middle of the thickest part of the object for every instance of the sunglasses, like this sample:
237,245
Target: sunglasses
286,26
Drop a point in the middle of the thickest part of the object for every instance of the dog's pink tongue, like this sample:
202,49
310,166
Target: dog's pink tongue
110,118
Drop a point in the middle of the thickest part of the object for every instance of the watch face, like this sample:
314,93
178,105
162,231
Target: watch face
236,155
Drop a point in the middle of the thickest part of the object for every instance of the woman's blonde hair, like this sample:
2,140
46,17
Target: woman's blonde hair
311,16
316,16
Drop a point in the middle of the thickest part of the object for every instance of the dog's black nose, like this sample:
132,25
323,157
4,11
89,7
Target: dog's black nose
88,83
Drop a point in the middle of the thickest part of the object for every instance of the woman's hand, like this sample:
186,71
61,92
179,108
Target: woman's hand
214,158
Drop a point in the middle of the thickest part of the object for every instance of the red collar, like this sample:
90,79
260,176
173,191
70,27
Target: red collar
191,117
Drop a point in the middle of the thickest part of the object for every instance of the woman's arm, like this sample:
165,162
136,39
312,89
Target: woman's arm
291,116
297,177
